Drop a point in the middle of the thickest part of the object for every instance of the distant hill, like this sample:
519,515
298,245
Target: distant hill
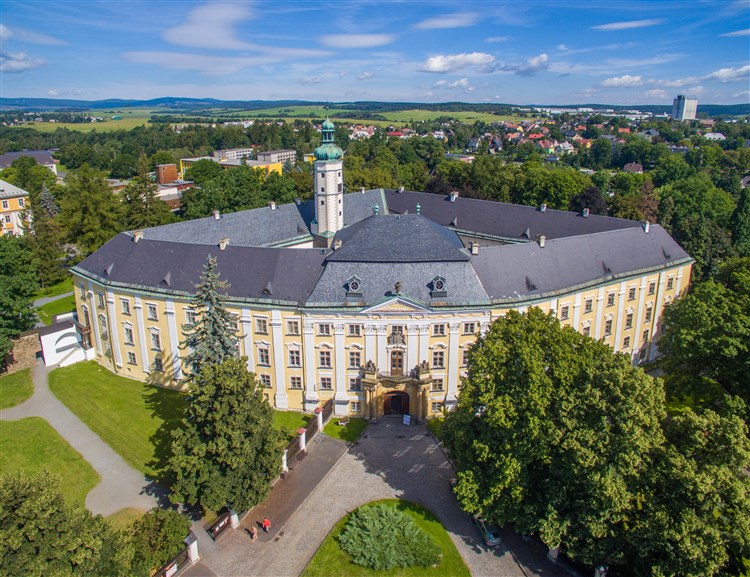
195,104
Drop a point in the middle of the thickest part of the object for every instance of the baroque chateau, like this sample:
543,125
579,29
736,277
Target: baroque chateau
372,298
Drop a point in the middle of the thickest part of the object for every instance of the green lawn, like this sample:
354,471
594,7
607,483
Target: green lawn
15,388
133,418
124,518
435,425
331,561
348,433
64,286
32,445
290,421
46,313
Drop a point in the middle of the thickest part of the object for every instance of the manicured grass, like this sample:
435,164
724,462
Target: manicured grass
331,561
32,445
124,518
15,388
290,421
348,433
435,426
46,313
133,418
64,286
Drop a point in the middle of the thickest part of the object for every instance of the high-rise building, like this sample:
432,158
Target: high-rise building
684,108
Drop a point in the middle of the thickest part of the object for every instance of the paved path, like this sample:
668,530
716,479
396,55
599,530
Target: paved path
44,300
390,460
121,485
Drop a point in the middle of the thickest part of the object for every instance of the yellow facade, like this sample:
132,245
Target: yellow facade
12,210
306,357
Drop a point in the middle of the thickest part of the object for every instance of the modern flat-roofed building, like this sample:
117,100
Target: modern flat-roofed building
281,156
269,167
371,299
233,153
13,206
684,108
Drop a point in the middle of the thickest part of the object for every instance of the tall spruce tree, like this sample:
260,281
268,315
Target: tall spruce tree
143,207
211,338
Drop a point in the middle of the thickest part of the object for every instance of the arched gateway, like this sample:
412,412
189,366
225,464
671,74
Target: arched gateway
396,403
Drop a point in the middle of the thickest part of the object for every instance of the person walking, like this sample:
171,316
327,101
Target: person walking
266,525
253,533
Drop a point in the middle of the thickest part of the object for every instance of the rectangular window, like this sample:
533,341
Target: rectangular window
21,202
626,343
649,314
670,283
651,288
190,317
355,360
83,291
131,358
158,365
324,329
355,384
631,293
470,328
438,360
437,385
629,321
295,359
438,330
265,380
464,357
355,330
155,341
586,331
645,335
103,322
128,335
125,306
100,299
264,359
325,359
295,382
564,313
6,206
354,405
437,407
325,384
588,305
152,316
7,218
261,326
607,327
398,329
611,299
642,355
292,327
234,322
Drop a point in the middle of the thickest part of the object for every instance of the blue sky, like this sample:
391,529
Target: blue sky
537,51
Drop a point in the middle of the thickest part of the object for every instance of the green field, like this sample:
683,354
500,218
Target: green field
131,117
64,305
331,561
133,418
32,445
64,286
15,388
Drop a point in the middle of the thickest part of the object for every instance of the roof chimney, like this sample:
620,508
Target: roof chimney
272,204
475,248
646,226
137,235
376,209
223,243
542,240
401,190
217,215
298,201
543,207
337,244
362,189
453,195
585,212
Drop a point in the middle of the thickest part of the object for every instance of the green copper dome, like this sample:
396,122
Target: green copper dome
328,149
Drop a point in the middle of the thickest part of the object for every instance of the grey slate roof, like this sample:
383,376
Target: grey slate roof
398,238
41,157
175,266
526,270
8,190
500,219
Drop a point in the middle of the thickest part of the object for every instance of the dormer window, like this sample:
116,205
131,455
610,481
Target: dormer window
437,287
354,287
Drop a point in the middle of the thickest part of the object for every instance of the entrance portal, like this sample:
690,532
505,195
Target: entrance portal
396,403
397,362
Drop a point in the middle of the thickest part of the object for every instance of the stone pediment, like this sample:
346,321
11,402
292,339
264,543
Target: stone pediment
396,305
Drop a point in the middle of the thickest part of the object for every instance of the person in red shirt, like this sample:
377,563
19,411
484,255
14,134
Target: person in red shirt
266,525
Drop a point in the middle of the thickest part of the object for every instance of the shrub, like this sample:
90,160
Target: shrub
157,537
382,537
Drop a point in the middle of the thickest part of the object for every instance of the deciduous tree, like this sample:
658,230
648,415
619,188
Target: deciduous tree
156,538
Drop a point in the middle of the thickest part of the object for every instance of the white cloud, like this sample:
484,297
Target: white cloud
54,92
656,93
5,33
729,74
496,39
356,40
211,26
742,94
623,81
628,25
311,80
18,62
562,47
462,84
678,82
24,35
457,20
745,32
694,91
450,63
529,67
210,65
365,76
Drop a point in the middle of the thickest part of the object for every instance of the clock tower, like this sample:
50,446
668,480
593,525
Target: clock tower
329,187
